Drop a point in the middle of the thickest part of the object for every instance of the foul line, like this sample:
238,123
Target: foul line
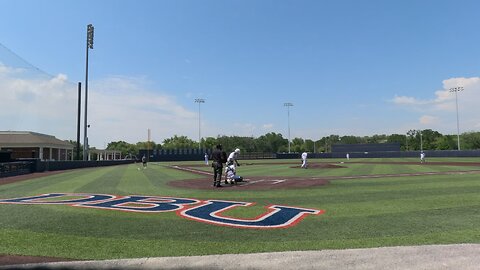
278,181
191,170
396,175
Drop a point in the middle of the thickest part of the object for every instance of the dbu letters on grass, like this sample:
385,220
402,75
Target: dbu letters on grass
209,211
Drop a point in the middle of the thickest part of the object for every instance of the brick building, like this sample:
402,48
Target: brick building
27,144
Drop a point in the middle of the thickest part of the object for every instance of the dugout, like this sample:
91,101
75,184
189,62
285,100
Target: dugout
5,156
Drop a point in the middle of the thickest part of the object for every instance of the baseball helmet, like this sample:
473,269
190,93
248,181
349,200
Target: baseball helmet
237,151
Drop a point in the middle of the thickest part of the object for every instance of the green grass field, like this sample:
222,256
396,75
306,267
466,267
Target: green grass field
359,213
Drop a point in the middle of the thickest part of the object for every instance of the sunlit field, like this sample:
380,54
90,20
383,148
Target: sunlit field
389,202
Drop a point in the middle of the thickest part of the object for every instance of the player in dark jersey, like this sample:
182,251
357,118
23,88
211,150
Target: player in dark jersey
218,158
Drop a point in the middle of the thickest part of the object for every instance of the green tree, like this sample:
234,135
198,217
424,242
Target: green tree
398,138
308,145
297,145
148,145
74,143
445,142
429,137
412,142
350,140
470,140
124,147
377,139
179,142
209,142
272,143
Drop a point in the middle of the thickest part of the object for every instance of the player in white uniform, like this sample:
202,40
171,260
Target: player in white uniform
232,160
231,175
422,157
304,160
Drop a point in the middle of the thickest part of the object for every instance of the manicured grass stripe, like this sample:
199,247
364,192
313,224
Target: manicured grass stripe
134,181
106,180
38,185
433,203
359,213
71,183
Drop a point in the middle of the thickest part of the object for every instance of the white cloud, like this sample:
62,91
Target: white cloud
440,111
37,103
267,127
428,120
122,108
404,100
119,108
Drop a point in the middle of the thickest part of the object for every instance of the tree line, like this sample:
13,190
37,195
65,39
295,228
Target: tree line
272,142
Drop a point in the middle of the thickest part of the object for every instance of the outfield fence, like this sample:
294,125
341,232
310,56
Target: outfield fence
195,154
386,154
199,154
8,169
41,166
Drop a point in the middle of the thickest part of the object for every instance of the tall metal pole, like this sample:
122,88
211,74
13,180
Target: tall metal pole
89,46
288,105
199,101
78,118
148,145
421,141
457,89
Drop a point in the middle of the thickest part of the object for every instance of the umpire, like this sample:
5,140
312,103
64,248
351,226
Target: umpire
218,157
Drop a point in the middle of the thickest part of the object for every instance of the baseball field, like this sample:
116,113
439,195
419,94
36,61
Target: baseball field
171,209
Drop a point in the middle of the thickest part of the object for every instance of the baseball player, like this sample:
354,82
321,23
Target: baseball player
422,157
304,160
144,162
218,158
231,175
232,160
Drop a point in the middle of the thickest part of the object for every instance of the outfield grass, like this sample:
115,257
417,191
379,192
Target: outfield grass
388,211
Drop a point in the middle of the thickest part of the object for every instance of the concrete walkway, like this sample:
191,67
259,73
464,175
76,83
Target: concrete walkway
462,256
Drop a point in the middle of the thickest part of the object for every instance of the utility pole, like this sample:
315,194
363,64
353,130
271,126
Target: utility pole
288,105
199,101
457,89
78,118
85,126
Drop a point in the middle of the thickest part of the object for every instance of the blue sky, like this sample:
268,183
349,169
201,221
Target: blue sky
349,67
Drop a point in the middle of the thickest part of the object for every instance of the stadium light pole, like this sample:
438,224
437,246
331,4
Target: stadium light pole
456,90
89,46
199,101
421,141
288,105
78,118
